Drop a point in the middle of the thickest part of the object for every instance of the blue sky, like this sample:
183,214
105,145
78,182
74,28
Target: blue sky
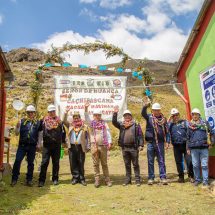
156,29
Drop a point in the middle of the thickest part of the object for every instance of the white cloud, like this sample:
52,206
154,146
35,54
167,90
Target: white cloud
113,4
86,12
110,4
184,6
1,19
154,35
88,1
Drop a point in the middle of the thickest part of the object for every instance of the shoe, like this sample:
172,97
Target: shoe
164,181
41,184
55,182
205,185
181,180
109,183
192,180
74,181
97,184
83,183
127,183
29,183
13,183
138,183
150,182
196,183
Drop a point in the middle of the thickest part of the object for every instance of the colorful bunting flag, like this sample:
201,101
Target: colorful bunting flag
119,70
135,74
66,64
102,68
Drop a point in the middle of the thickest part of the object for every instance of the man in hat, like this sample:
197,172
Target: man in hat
78,144
53,136
198,145
100,140
28,128
157,135
131,142
178,133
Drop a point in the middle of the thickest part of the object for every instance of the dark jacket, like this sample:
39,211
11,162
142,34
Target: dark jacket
137,133
53,137
29,132
150,134
178,132
198,138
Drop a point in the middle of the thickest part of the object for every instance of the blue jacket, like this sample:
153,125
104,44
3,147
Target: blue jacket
178,132
150,134
29,132
198,138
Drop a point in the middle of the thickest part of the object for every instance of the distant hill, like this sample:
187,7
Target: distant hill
162,72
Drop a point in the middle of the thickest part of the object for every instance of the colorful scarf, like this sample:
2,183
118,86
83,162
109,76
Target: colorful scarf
159,121
200,124
100,125
78,124
52,122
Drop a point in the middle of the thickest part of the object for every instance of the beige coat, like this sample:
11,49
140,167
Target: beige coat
84,138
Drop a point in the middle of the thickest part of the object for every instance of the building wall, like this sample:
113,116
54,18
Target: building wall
204,57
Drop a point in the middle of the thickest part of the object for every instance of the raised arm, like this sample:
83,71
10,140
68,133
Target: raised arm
114,118
17,128
144,109
86,114
144,112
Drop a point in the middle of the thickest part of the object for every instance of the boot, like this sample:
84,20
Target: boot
164,181
97,183
108,182
181,180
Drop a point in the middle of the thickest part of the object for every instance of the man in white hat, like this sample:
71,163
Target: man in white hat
131,142
28,128
198,144
157,135
100,139
53,137
178,133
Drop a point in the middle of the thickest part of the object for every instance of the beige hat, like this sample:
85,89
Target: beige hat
127,112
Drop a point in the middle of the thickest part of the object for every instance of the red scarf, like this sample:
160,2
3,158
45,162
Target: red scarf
51,122
100,125
159,121
78,124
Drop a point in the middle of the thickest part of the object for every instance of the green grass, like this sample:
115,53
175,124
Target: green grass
68,199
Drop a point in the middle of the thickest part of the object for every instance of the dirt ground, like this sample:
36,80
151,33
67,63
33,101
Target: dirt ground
69,199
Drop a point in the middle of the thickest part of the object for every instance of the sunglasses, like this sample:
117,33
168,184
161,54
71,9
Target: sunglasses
29,112
175,115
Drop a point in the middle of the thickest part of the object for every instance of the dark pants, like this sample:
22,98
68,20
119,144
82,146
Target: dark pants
131,155
29,152
54,153
153,150
180,152
77,159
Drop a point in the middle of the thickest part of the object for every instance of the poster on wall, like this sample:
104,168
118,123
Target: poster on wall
207,79
102,92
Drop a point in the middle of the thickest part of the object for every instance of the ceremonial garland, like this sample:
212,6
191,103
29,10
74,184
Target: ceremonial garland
54,56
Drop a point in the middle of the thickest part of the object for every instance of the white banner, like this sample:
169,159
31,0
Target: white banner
102,92
207,79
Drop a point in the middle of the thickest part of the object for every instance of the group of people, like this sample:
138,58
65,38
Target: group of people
190,140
